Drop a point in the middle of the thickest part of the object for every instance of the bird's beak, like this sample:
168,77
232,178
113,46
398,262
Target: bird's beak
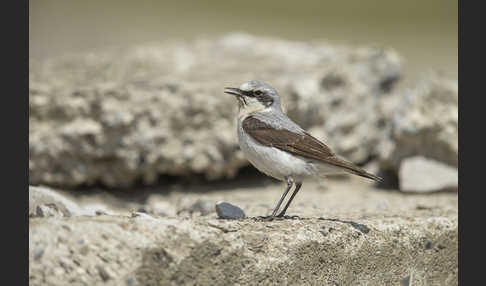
240,94
233,91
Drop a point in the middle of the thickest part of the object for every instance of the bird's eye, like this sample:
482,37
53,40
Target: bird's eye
258,92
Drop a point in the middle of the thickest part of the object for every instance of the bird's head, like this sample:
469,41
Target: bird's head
255,96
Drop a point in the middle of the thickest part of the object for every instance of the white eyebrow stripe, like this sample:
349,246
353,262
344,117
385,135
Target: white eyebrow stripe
246,86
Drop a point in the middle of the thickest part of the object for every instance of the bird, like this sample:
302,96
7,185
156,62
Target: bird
279,147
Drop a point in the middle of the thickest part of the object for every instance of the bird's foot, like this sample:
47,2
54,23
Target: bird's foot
265,218
282,215
272,217
288,216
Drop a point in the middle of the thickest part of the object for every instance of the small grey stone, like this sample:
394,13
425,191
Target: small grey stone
228,211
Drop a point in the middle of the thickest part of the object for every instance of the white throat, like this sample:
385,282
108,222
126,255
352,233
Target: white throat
248,110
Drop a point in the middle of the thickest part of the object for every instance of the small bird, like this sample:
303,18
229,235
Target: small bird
279,147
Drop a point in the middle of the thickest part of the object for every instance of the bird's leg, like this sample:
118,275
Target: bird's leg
290,182
297,188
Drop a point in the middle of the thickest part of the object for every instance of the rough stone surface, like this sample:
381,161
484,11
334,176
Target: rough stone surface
48,210
127,116
418,174
346,234
158,205
44,201
226,210
202,207
424,123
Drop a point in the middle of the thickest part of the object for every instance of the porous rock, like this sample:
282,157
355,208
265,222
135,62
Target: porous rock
124,116
347,235
45,201
423,122
48,210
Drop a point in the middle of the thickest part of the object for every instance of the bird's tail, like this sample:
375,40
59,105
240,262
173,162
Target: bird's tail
365,174
351,168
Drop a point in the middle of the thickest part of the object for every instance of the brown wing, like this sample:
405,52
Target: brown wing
304,145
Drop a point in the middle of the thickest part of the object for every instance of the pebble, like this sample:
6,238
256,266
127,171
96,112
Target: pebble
228,211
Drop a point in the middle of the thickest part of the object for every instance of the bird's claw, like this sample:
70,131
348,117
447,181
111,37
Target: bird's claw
265,218
279,217
288,217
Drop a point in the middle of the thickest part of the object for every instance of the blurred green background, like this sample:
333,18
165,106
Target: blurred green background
424,32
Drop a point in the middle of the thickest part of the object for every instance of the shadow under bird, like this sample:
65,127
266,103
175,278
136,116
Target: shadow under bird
279,147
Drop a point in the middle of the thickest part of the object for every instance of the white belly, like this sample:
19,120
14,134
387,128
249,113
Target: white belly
273,161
